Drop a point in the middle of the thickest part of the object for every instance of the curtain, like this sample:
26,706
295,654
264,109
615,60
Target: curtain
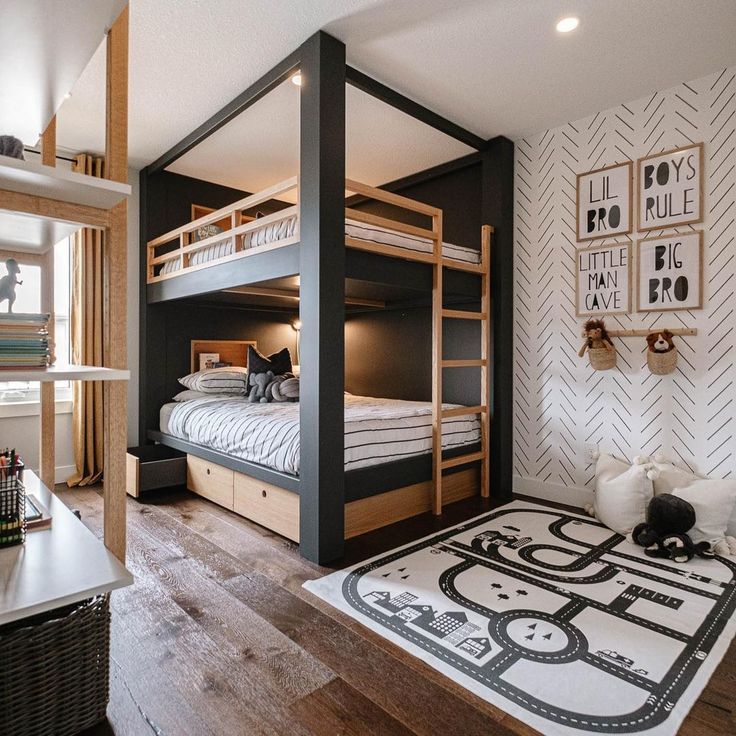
86,335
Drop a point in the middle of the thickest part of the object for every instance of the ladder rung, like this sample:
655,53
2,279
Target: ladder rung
474,363
462,314
461,411
463,459
462,266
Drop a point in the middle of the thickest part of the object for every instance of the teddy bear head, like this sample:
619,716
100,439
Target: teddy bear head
660,342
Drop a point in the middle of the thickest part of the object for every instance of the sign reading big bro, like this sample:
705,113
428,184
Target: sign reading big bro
670,188
604,202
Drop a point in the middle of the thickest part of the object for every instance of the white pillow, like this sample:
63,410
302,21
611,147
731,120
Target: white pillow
672,478
230,380
713,501
189,395
622,493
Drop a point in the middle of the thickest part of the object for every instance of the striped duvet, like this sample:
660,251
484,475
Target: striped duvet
376,430
285,229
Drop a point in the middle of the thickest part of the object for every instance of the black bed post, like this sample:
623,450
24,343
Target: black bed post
322,302
498,210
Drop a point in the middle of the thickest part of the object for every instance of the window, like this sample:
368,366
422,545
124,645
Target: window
28,299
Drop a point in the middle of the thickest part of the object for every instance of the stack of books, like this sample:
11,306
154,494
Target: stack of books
24,341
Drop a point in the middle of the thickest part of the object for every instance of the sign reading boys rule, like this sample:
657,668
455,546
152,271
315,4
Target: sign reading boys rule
604,202
670,188
603,280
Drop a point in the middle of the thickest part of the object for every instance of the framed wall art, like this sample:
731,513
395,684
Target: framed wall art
670,272
670,188
603,280
603,202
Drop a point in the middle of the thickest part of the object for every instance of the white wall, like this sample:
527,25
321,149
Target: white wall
560,403
22,432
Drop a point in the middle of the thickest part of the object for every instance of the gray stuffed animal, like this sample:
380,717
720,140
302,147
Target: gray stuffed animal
9,282
286,390
259,382
11,146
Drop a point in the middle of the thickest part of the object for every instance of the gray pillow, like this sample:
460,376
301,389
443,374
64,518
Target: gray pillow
206,231
232,381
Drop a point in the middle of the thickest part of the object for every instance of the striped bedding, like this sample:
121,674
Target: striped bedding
286,228
376,430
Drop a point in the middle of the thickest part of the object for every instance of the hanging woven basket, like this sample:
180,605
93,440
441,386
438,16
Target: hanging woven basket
602,359
661,364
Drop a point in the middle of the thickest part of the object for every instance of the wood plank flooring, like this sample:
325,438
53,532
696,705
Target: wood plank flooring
217,638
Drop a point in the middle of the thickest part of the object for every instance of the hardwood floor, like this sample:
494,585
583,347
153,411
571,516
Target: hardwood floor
217,637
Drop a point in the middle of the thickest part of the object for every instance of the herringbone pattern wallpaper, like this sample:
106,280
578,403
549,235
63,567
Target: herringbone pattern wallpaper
560,402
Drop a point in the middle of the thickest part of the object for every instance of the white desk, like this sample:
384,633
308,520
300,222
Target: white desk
56,566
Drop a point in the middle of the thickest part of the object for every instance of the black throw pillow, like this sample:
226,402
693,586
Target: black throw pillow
279,363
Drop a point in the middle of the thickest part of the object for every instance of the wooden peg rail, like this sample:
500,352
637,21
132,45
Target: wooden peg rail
643,333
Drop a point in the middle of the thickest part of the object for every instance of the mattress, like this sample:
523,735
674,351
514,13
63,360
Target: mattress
376,430
275,231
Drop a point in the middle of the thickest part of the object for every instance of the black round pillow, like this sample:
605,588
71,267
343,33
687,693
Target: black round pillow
669,514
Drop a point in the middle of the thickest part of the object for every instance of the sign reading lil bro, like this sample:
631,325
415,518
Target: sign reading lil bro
670,272
604,202
670,188
603,277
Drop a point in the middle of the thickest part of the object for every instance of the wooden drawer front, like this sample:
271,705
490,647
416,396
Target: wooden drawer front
210,480
267,505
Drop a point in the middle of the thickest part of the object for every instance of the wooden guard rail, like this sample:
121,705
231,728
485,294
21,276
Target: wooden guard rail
182,236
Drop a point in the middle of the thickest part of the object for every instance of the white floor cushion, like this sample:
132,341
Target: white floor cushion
622,493
713,501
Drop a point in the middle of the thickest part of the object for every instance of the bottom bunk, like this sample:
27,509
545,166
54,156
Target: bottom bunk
245,457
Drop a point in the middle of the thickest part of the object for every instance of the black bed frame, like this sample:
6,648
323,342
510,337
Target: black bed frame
323,263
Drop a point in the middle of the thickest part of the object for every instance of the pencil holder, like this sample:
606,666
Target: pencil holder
12,511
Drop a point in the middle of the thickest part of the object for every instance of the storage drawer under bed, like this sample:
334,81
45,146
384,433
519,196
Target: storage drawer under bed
267,505
211,481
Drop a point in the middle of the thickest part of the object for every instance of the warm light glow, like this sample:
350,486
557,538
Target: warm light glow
297,79
568,24
297,324
67,95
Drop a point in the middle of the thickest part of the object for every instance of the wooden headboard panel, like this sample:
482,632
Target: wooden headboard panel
231,351
199,210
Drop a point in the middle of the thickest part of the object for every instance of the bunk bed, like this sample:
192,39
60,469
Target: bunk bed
306,491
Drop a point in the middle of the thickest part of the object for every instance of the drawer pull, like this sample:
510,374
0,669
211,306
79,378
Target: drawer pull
208,471
263,493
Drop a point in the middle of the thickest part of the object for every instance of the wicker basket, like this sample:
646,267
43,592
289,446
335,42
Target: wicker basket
54,676
602,359
661,364
12,512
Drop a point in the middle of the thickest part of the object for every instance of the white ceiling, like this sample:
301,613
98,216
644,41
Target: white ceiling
261,146
494,66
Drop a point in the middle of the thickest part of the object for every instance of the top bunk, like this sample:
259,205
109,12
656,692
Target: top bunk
239,245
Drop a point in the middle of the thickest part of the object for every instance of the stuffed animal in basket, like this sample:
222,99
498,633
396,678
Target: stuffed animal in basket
661,353
596,337
9,282
665,532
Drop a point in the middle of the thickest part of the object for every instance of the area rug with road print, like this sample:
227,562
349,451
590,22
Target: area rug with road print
551,617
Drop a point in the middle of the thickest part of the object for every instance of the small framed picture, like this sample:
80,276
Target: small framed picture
670,272
603,280
603,202
208,361
670,188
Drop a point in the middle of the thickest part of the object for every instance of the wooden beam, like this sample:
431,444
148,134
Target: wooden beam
48,144
53,209
116,114
115,419
293,294
47,418
322,308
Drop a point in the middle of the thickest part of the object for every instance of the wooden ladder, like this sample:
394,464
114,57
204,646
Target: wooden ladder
439,313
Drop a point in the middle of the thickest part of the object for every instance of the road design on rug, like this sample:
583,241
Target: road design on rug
556,614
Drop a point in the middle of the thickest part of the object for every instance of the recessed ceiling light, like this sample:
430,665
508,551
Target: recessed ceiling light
297,79
568,24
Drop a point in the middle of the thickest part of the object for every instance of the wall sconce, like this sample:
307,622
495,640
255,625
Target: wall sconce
297,327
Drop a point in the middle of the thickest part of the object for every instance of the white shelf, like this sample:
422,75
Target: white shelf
56,566
45,48
64,373
36,234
